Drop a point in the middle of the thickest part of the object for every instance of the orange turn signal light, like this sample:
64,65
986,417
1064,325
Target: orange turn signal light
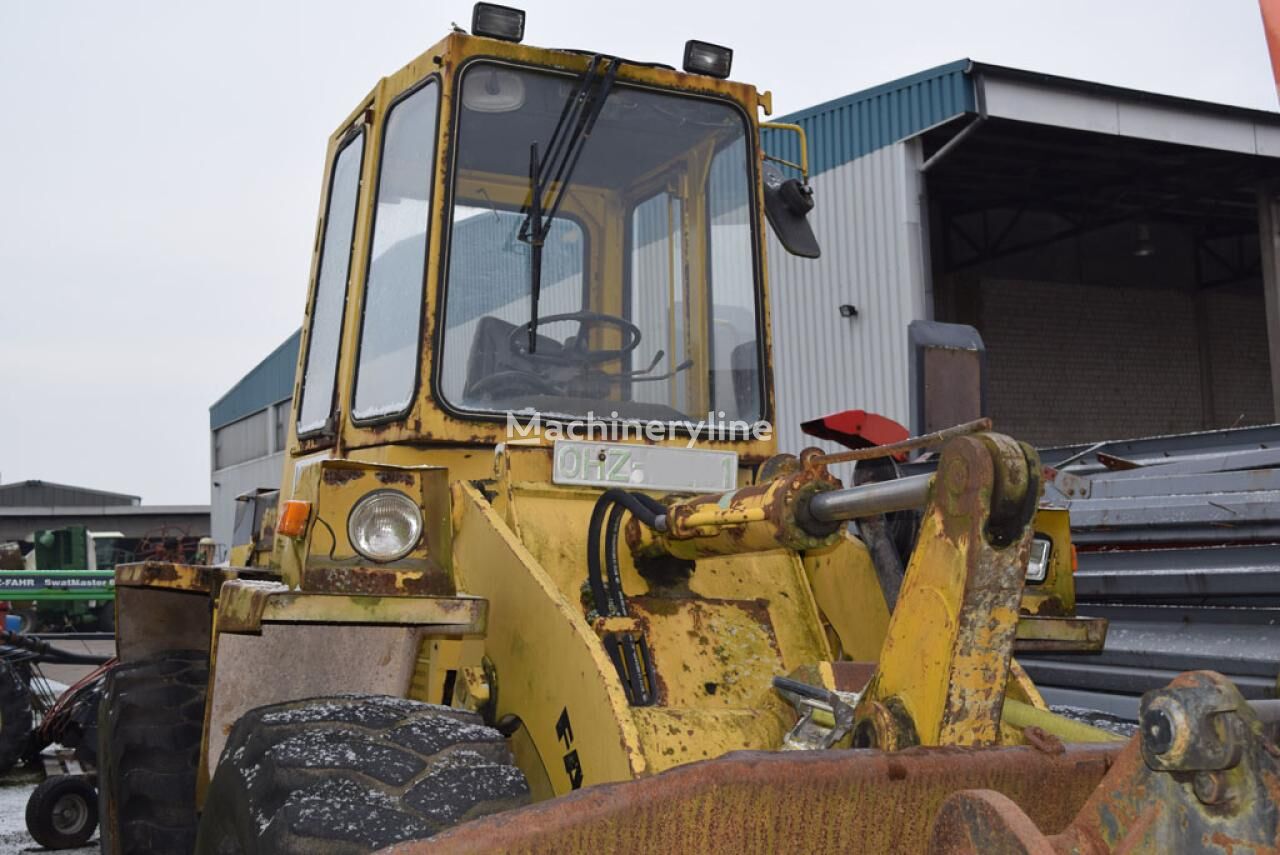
1075,559
294,515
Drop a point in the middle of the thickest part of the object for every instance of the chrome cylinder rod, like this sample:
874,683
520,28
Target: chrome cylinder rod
867,500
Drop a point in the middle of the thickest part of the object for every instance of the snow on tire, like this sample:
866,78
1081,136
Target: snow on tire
351,774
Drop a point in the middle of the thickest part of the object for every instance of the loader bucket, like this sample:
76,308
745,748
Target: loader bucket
854,800
1202,775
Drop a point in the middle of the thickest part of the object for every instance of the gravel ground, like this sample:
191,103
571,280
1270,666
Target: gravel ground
15,788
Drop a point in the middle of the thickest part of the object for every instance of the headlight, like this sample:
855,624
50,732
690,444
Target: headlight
384,525
1038,562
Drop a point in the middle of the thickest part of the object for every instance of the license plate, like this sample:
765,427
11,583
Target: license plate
643,467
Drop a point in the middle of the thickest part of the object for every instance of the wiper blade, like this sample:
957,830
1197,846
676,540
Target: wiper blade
555,169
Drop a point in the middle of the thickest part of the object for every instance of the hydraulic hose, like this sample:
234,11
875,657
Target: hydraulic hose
606,581
46,652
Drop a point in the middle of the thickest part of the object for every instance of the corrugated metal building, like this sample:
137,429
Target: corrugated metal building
249,428
1104,242
29,506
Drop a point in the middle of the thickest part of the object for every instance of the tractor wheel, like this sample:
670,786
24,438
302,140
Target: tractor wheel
352,774
15,716
62,813
149,726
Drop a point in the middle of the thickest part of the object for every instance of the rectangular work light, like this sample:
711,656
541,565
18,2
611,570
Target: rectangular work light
706,58
1038,560
497,22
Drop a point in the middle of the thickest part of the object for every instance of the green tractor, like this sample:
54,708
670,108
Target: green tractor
65,580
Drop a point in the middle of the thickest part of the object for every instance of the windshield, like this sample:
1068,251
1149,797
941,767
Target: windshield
647,305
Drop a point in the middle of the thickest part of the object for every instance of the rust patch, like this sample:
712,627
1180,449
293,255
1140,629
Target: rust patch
183,577
430,580
336,477
1050,606
394,476
1041,740
852,676
158,572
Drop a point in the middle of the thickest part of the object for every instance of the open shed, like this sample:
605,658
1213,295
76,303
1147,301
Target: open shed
1116,250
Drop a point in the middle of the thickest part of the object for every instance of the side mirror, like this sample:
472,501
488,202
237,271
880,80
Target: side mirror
787,203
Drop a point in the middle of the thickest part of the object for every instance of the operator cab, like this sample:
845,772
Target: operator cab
584,232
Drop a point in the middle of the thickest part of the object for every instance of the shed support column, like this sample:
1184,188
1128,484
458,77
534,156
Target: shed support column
1269,247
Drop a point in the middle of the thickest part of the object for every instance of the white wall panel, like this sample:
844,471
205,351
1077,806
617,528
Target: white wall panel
868,222
235,481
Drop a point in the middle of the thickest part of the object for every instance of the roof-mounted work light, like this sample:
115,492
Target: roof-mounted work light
497,22
706,58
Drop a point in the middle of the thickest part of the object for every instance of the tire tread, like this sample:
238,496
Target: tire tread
350,774
151,719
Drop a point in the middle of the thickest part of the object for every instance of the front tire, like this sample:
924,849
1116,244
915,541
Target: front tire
149,727
352,774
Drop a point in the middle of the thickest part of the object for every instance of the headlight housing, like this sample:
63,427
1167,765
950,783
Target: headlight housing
1038,560
384,525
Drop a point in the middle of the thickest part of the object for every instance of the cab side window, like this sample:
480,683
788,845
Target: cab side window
391,328
315,410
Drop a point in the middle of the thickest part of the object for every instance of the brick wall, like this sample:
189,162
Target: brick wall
1237,329
1070,363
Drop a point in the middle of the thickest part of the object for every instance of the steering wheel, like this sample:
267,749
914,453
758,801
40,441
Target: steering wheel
577,353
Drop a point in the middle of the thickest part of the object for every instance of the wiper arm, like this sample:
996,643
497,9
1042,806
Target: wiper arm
577,118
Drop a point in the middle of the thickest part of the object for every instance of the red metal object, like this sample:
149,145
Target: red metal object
1271,25
856,429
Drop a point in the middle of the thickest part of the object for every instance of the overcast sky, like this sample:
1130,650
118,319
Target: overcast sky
160,167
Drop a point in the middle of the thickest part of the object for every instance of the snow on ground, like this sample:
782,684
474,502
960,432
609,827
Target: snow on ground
15,788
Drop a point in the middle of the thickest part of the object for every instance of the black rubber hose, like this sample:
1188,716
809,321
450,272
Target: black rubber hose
614,571
795,687
641,506
640,695
46,652
653,504
595,577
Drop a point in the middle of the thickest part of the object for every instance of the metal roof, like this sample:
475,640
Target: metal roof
269,382
849,127
107,511
857,124
48,493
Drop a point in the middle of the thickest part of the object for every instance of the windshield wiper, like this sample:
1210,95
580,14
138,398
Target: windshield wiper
555,168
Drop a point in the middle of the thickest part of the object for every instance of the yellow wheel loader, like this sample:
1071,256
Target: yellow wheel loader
537,578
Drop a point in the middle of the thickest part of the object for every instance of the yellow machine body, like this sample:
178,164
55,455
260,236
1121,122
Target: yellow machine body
490,608
766,601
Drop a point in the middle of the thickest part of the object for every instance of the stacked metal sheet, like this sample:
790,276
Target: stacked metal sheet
1179,548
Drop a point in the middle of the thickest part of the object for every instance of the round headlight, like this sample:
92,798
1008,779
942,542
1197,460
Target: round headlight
384,525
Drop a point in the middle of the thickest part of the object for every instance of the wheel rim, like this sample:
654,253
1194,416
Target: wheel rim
70,813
